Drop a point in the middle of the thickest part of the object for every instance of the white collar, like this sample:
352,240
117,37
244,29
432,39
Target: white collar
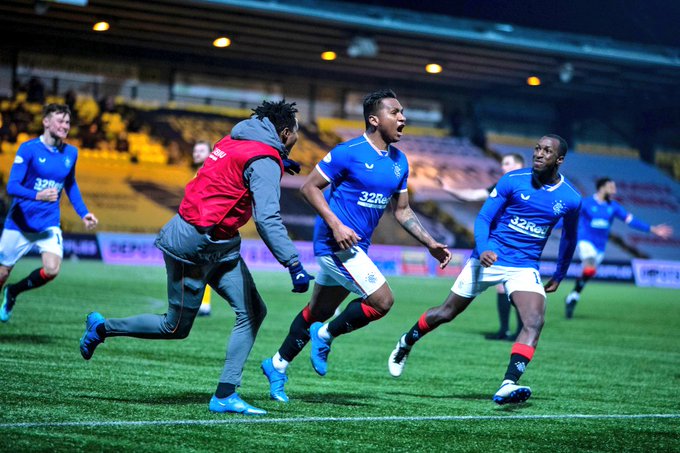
382,152
550,188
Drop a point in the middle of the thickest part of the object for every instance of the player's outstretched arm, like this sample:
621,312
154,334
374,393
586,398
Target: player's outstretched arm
662,230
312,190
471,195
409,222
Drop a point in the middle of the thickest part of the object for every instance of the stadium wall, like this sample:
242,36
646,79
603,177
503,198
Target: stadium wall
130,249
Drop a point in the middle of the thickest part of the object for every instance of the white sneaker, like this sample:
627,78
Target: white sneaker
397,359
510,392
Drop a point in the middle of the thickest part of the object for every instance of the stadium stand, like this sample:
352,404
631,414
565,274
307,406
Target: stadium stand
136,180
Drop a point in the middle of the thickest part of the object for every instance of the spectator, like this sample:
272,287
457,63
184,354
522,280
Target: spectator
91,137
122,143
35,91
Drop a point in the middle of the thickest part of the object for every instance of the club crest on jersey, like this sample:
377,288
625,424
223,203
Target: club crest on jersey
397,171
558,207
67,162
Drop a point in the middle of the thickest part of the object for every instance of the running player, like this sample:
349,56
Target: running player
510,233
509,162
42,167
597,214
201,245
365,174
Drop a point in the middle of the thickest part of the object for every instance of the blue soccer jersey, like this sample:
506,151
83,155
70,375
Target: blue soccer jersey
38,167
362,181
597,218
516,220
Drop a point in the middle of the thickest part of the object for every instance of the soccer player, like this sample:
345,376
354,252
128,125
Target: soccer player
199,154
510,162
365,174
201,245
597,214
510,233
42,167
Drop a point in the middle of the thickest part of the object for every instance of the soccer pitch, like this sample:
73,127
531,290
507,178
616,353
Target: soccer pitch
607,380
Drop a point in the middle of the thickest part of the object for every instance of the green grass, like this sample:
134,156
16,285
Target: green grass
619,357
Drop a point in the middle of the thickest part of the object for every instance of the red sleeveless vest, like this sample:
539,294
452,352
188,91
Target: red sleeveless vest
218,197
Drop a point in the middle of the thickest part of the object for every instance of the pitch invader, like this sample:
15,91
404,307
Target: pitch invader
597,215
42,168
511,231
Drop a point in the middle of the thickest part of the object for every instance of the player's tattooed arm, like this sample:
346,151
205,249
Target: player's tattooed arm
409,221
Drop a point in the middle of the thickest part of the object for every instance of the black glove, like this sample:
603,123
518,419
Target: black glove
290,166
300,278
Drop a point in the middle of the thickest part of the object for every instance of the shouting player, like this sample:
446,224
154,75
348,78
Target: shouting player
365,174
42,168
510,232
597,214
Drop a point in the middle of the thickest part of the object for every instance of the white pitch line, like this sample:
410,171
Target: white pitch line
236,420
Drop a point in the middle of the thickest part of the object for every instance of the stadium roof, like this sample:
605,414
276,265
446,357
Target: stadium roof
287,38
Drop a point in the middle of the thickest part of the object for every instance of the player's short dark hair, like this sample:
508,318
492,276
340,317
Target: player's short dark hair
601,182
281,114
563,148
372,102
518,158
56,108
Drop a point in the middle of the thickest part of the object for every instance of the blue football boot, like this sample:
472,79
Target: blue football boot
234,404
91,339
7,304
276,381
320,350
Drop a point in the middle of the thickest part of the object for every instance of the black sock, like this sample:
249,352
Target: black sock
297,338
413,335
580,283
101,330
352,318
32,281
224,389
503,306
518,363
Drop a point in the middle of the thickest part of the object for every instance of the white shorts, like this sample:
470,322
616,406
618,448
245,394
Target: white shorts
15,244
352,269
474,279
587,251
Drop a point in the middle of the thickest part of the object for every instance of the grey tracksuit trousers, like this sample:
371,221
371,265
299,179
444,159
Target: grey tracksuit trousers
229,277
